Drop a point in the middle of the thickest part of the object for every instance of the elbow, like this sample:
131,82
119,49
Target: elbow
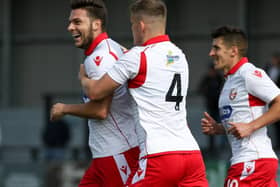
102,114
94,95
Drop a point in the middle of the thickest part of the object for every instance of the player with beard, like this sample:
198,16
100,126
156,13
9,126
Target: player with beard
112,120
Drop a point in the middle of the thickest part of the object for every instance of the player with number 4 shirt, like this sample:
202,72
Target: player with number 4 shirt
157,74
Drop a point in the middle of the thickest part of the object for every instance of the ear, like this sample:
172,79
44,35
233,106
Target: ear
96,24
142,26
234,51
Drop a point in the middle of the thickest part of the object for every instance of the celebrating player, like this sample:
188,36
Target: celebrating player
243,111
157,74
113,124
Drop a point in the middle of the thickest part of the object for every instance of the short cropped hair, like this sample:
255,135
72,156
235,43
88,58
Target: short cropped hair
232,36
149,7
96,9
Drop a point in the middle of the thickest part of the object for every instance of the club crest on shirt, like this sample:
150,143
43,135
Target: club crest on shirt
257,73
97,60
171,58
233,94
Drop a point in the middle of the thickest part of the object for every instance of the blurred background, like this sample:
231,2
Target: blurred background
39,66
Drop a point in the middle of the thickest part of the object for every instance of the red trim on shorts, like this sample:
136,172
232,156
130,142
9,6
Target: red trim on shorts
140,78
172,152
254,101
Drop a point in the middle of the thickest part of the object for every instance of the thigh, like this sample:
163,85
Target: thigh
195,172
171,170
261,172
109,171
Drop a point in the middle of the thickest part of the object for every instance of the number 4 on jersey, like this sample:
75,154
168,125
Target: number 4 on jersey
175,98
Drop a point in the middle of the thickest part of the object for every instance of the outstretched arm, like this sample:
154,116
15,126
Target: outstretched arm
97,89
241,130
210,126
92,109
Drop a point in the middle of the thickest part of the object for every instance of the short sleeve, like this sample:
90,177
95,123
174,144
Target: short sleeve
260,85
126,68
97,64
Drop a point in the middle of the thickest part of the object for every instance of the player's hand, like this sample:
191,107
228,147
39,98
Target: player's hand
240,130
208,124
57,111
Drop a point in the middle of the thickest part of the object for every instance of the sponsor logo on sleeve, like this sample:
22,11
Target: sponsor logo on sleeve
171,58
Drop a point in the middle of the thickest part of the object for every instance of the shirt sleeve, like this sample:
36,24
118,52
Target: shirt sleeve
97,64
126,68
260,85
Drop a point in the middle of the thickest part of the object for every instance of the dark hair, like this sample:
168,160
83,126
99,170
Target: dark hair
232,36
149,7
95,8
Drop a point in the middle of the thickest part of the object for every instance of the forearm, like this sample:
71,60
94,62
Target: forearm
271,116
99,89
92,109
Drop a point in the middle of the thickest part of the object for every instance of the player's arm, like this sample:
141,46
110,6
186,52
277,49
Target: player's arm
97,89
210,126
92,109
241,130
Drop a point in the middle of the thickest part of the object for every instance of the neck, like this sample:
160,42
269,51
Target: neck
235,60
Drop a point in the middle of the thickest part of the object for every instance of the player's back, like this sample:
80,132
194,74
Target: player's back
160,89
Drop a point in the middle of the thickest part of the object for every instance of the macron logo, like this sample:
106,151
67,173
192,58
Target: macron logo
257,73
124,169
97,60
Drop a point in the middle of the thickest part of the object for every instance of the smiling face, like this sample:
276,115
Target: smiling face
222,55
81,28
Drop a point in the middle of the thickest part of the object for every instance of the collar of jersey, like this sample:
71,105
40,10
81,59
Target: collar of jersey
95,43
157,39
237,66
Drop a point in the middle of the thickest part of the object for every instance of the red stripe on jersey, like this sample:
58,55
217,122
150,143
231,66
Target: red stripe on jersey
140,78
254,101
111,52
114,55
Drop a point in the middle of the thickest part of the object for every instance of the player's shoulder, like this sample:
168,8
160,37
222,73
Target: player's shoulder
134,52
249,70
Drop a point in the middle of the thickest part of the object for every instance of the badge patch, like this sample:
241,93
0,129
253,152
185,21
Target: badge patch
233,94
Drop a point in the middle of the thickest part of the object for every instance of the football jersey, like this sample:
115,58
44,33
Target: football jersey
157,75
117,133
245,96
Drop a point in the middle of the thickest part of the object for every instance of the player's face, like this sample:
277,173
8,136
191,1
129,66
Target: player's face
136,31
80,26
221,55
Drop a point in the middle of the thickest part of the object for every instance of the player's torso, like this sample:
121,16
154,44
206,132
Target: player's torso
236,104
116,133
161,98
